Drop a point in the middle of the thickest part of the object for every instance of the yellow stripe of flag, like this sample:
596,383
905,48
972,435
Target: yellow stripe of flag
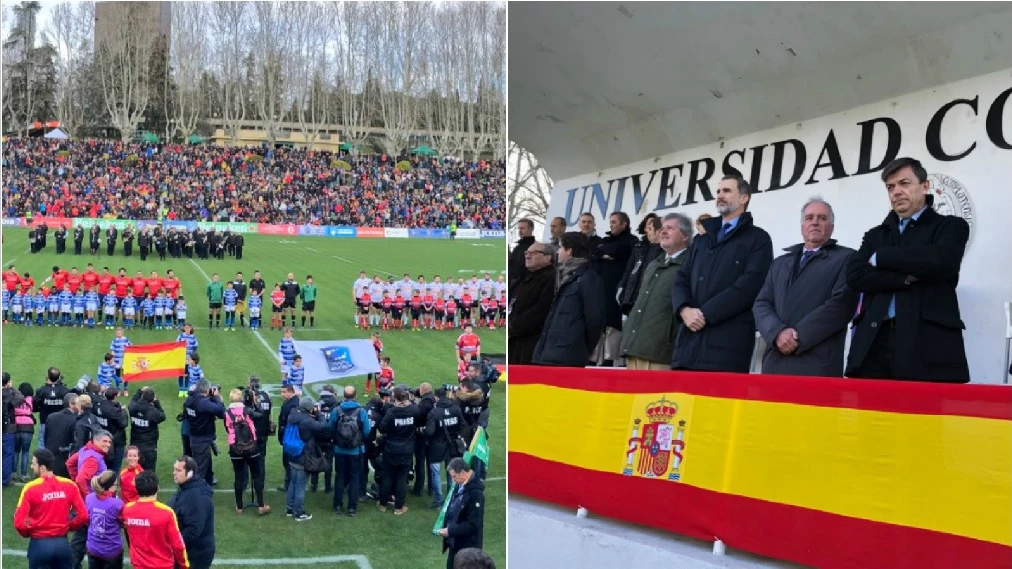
154,361
951,474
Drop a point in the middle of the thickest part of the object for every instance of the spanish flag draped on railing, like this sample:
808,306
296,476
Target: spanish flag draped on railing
154,361
831,473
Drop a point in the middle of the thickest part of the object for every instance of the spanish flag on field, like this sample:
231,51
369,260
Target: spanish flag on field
154,361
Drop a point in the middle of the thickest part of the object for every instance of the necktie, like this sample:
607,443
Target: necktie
805,257
724,231
891,313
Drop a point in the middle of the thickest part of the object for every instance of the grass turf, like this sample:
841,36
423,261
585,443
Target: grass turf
228,358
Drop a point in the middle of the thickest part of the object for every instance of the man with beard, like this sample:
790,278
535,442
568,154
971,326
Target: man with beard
718,283
516,265
78,239
532,298
128,241
61,239
111,234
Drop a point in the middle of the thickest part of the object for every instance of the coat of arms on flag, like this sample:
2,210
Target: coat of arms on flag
656,448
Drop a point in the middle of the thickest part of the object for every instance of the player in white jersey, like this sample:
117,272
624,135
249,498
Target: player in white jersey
436,286
376,294
356,292
487,285
500,286
406,287
390,287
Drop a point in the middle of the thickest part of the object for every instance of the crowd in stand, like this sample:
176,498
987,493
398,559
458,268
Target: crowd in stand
675,300
112,179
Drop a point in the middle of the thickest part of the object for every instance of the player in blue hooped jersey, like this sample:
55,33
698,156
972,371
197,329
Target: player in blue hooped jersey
256,304
53,307
107,372
118,347
109,309
180,312
66,306
148,313
193,371
17,307
79,305
129,309
160,310
91,302
287,350
296,374
190,338
40,307
6,304
230,298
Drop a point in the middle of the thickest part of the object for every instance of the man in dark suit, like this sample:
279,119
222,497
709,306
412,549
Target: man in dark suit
909,325
517,268
465,516
718,283
532,299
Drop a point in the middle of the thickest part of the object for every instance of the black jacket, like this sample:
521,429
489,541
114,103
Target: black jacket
203,412
643,252
531,300
399,425
12,398
722,279
309,428
286,409
816,302
49,400
144,420
465,517
442,428
60,432
113,418
619,248
516,266
574,322
260,411
86,424
929,329
194,508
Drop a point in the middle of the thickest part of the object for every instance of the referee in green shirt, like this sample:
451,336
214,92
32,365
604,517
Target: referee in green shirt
215,293
308,294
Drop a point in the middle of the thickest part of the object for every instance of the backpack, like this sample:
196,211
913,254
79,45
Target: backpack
347,430
245,444
292,443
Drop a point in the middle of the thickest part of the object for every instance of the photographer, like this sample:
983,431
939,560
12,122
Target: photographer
325,440
202,409
113,418
145,415
426,401
399,424
87,422
258,404
49,400
11,400
60,433
304,419
289,403
442,429
374,410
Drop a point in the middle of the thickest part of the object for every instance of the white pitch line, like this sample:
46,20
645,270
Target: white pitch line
359,560
232,490
256,332
342,259
313,250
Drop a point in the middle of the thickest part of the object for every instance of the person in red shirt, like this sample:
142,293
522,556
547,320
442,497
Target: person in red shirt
277,305
59,277
43,514
377,345
388,305
451,312
440,309
397,312
386,375
154,284
483,309
502,309
468,343
137,286
364,303
105,281
27,283
152,529
416,310
466,302
171,285
12,279
90,277
462,366
127,476
74,280
428,307
493,310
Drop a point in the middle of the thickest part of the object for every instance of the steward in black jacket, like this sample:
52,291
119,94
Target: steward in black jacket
60,436
49,399
465,516
721,278
87,423
443,428
194,508
113,418
145,415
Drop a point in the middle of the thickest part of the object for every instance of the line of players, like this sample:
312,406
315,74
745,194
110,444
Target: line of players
81,299
435,305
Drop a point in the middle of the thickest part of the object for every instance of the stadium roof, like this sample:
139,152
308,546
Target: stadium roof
598,85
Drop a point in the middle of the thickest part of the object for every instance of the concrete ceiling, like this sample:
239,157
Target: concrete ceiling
593,85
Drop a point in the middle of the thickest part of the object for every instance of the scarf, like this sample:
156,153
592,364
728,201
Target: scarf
567,269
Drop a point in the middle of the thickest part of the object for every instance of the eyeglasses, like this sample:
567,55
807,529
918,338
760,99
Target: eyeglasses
529,252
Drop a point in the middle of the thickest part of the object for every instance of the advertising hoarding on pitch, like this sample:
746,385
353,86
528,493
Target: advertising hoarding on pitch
961,132
341,231
468,234
370,232
395,232
493,234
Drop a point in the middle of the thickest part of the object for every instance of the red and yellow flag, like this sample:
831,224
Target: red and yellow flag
154,361
830,473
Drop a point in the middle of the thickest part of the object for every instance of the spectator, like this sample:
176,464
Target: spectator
289,404
465,517
24,429
525,228
302,419
645,250
244,451
609,258
472,558
805,306
649,336
105,540
193,505
349,449
532,298
718,283
60,433
700,230
11,400
907,269
557,228
112,179
575,320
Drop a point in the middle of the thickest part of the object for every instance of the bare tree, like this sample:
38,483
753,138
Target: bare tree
529,187
350,22
451,111
272,36
228,23
401,41
123,65
189,57
309,65
70,30
21,67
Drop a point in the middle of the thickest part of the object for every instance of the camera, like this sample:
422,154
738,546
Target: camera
451,388
385,392
489,373
82,384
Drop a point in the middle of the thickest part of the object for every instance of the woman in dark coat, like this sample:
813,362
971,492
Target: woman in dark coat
645,250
